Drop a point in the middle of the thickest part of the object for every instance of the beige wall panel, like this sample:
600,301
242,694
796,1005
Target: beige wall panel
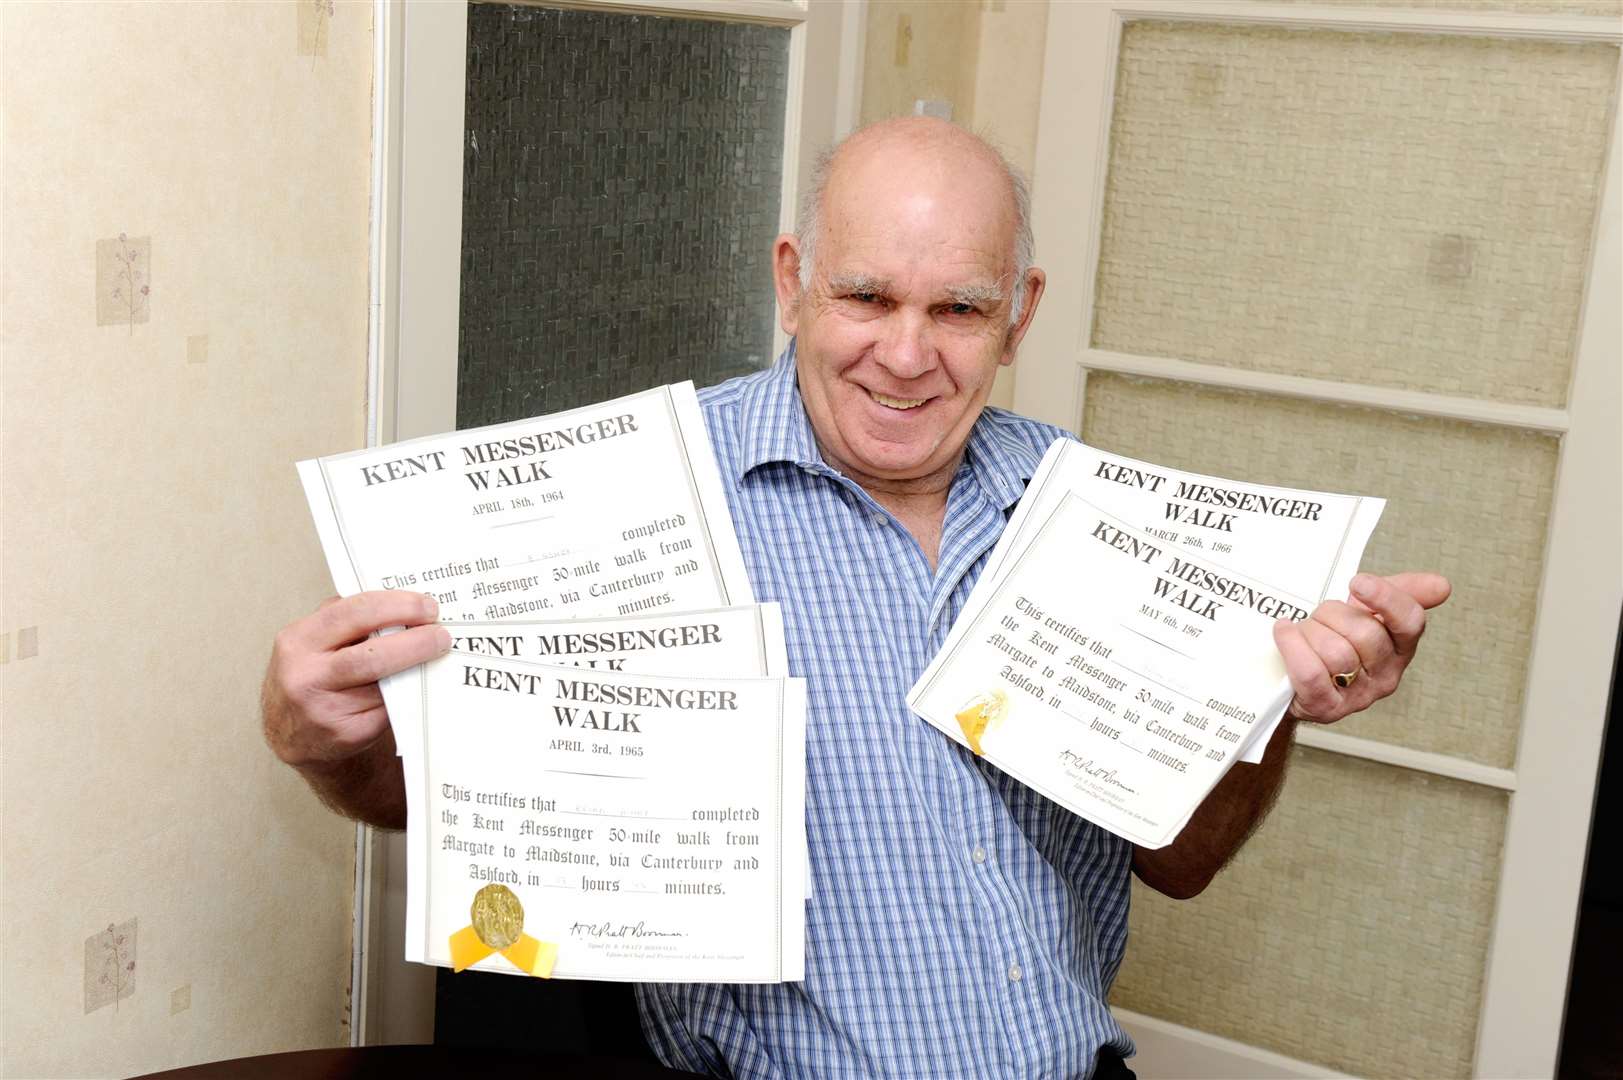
919,49
1351,930
1404,210
1468,500
154,531
1008,89
1009,77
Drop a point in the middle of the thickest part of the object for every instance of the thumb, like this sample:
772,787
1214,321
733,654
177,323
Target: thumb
1429,590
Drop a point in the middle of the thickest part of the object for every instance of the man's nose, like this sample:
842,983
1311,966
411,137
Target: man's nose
906,350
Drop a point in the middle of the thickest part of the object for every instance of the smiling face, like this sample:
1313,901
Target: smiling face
905,321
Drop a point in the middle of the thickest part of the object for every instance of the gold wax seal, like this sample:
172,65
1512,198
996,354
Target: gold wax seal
497,916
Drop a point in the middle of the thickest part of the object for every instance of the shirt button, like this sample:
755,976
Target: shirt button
979,854
1015,973
881,520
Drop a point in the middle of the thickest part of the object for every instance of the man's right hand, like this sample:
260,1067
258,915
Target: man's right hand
323,711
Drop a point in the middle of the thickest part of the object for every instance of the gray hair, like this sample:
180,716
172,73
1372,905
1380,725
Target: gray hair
809,218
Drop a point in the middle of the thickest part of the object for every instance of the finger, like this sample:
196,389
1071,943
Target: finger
354,617
1310,679
1429,590
370,660
1335,652
1402,613
1367,634
329,602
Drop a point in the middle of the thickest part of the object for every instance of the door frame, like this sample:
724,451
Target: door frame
419,85
1551,787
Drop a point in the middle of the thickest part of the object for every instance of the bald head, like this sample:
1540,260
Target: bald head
928,157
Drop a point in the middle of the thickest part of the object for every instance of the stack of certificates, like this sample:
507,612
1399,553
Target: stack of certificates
1117,653
606,775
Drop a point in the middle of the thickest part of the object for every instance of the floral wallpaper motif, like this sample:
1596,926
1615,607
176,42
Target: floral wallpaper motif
123,288
110,966
314,15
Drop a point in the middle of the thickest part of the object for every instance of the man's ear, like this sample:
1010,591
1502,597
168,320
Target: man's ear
786,280
1036,282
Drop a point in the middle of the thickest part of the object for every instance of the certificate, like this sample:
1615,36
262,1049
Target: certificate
612,509
1117,655
722,642
638,827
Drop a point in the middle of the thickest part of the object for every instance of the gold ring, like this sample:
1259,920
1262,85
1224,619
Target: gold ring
1345,679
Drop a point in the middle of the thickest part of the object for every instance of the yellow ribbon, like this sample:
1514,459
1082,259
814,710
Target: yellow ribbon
527,954
982,713
498,927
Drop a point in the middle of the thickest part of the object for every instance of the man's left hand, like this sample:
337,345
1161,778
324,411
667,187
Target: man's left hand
1367,641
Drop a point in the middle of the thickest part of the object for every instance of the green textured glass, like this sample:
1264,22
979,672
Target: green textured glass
621,182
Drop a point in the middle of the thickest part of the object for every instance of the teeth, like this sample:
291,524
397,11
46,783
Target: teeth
897,403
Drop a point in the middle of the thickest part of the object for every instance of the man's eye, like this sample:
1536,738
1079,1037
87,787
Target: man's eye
865,297
960,309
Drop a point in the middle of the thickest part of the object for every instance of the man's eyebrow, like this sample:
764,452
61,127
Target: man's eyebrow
858,283
975,294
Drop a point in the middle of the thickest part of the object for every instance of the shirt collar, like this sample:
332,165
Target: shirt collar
1002,461
774,421
776,428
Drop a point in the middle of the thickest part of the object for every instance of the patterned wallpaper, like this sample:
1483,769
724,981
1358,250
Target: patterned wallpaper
185,288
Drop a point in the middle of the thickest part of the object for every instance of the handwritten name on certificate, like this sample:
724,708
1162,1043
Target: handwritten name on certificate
1117,656
612,509
648,828
741,642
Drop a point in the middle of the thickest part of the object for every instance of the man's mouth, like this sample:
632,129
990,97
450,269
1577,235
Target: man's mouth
896,402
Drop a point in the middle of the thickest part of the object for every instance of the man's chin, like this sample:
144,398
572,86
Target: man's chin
892,462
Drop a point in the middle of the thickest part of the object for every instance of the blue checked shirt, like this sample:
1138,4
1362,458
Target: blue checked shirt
961,924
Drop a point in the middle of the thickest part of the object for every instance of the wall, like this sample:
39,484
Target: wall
185,315
919,49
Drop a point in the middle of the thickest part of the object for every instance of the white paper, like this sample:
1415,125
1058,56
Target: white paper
741,642
1125,619
1138,491
653,828
612,509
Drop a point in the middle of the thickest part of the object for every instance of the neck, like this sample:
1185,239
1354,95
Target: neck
919,503
914,490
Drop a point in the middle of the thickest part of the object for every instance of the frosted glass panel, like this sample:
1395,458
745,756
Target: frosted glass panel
1404,210
1468,500
620,196
1351,931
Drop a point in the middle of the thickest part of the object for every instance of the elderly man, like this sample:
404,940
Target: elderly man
962,925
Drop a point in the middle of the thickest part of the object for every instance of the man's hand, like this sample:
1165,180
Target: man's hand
323,711
1372,637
